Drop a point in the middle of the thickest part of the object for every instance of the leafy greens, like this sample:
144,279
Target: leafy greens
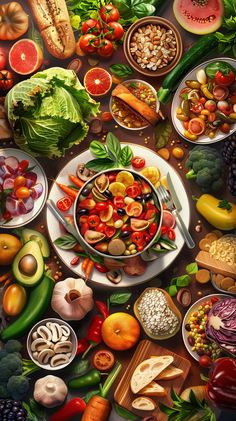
227,38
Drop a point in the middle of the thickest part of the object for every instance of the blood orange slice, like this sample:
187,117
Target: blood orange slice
25,56
97,81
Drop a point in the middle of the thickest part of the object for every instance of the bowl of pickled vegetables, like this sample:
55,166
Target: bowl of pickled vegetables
204,106
117,214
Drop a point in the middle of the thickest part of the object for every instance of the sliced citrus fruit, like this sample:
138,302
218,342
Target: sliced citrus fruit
97,81
25,57
117,189
125,177
152,174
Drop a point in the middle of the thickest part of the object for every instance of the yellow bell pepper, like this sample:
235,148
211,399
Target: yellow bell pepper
219,217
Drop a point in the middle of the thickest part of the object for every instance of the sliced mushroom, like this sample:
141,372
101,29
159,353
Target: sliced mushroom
102,183
63,347
56,330
40,344
115,276
44,332
95,126
64,338
35,335
35,355
69,354
84,173
59,359
45,355
65,331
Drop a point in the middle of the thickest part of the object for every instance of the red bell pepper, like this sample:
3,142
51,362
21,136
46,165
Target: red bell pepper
82,346
221,387
72,408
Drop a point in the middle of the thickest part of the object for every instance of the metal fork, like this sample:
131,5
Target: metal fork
167,200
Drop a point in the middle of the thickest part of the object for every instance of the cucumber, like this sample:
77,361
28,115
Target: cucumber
38,302
189,60
166,244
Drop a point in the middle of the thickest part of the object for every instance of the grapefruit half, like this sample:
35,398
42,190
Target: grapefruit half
97,81
25,57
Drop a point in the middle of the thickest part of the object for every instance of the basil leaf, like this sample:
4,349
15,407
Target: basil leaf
30,415
119,298
172,290
126,156
162,133
39,410
98,149
113,145
121,70
66,242
90,394
100,164
78,369
192,268
135,8
183,281
124,413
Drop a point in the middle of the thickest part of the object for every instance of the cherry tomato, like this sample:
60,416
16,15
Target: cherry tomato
171,234
75,261
23,165
119,202
83,219
140,248
125,227
93,221
134,209
109,231
87,43
19,182
186,125
6,80
164,230
152,229
109,13
197,108
147,237
103,360
106,49
112,178
205,361
3,59
138,162
64,204
137,238
91,26
202,100
115,215
149,214
83,228
133,191
225,128
101,206
22,193
113,31
214,300
224,79
101,227
100,268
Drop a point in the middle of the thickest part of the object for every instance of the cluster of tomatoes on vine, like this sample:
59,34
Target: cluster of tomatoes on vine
99,34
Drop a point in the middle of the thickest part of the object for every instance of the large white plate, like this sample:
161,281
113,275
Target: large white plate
155,267
19,221
187,315
202,140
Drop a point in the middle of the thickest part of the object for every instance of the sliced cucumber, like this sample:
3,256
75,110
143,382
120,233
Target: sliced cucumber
167,244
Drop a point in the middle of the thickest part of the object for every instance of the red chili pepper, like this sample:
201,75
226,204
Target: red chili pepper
103,309
23,165
94,330
221,387
82,346
101,268
75,261
72,408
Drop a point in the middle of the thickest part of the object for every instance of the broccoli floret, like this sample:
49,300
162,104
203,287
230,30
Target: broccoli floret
217,185
13,346
18,387
10,365
3,353
4,394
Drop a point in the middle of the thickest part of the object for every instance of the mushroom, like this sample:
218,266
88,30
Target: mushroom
45,355
56,332
50,391
114,276
44,332
63,347
40,344
84,173
59,359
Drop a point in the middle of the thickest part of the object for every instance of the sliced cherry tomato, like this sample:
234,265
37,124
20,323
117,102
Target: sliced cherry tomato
133,191
152,229
23,165
119,202
19,182
112,177
64,204
134,209
115,215
101,227
223,78
125,227
109,231
109,13
171,234
197,108
91,26
22,193
149,214
93,221
138,162
137,238
101,206
103,360
83,219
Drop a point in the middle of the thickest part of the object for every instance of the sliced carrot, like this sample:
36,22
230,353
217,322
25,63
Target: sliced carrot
5,276
70,192
85,264
203,276
89,268
79,183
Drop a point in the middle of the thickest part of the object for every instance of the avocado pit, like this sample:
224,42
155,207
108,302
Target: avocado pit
28,265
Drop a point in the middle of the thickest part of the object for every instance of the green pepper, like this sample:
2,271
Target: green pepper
186,107
91,378
224,118
212,68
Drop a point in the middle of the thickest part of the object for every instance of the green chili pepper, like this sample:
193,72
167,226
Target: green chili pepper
224,118
91,378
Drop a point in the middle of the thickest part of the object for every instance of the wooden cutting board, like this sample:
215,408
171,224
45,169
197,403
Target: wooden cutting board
204,260
123,395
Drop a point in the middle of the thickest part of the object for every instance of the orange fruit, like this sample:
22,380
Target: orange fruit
97,81
120,331
9,247
25,56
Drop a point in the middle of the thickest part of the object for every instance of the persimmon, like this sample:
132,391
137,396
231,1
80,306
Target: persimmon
9,246
120,331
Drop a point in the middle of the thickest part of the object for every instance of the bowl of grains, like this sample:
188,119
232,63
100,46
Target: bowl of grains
157,313
153,46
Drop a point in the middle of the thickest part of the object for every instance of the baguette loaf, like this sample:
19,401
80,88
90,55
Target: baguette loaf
52,19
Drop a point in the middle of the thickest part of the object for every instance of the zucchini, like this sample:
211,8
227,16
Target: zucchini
189,60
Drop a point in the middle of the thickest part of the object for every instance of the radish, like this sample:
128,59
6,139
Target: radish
12,164
8,183
12,206
168,219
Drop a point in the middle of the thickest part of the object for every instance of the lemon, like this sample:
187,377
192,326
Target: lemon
152,174
117,188
125,178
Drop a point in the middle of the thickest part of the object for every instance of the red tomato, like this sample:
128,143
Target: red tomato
93,221
133,191
91,26
103,360
106,49
101,227
134,209
147,237
114,31
64,204
19,182
202,100
164,230
205,361
224,79
109,231
168,219
138,162
83,228
171,234
152,229
225,128
83,219
6,80
87,43
22,193
3,59
101,206
197,108
214,300
137,238
149,214
125,227
119,202
109,13
112,177
140,248
115,215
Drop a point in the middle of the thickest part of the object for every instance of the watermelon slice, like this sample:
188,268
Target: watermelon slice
25,57
97,81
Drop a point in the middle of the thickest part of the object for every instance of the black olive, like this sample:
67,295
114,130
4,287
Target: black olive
125,234
85,192
83,212
187,327
138,198
147,197
121,211
107,194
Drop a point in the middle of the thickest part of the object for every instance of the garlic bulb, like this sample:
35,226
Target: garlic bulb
50,391
72,299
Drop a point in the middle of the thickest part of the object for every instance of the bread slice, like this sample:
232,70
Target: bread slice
169,373
153,389
148,370
144,404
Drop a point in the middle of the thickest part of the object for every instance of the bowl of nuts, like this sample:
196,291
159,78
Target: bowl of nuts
52,344
153,46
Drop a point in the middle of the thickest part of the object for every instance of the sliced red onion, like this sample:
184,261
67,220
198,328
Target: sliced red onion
36,191
27,204
4,171
8,183
31,179
12,163
12,206
1,181
2,160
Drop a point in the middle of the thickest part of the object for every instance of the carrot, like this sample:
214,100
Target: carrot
97,409
85,264
70,192
203,276
89,268
5,276
79,183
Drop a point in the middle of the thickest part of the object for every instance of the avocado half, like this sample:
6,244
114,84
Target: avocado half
29,234
28,264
